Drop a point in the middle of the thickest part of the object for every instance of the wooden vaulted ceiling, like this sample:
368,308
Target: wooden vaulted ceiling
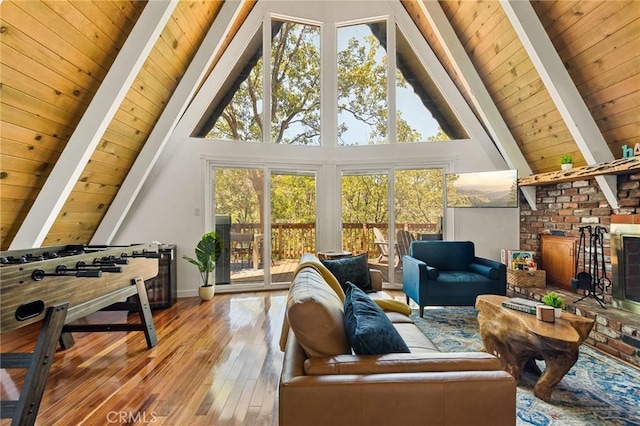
55,55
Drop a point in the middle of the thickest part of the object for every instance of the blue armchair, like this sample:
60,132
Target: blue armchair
447,273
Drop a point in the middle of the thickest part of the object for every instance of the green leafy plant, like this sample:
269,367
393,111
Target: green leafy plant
566,159
208,252
553,299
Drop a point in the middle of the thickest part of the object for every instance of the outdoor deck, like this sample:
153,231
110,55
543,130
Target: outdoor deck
282,272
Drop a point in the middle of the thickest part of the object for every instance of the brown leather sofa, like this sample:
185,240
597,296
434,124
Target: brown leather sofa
323,383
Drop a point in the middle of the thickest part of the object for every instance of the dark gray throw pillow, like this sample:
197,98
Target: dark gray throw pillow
369,330
351,268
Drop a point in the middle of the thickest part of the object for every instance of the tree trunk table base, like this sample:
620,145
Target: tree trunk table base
518,339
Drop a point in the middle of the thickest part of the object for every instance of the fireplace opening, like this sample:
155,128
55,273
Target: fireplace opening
625,265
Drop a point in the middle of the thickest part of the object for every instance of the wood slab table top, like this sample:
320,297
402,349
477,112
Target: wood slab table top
518,338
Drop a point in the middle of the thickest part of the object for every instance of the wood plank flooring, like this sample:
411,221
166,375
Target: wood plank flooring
216,363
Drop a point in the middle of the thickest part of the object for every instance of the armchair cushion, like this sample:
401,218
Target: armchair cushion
487,271
444,255
369,330
351,268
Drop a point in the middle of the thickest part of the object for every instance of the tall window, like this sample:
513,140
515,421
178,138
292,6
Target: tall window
419,199
295,84
362,85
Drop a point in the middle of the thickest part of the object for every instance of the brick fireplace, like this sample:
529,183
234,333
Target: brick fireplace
564,208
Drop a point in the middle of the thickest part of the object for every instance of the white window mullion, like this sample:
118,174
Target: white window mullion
329,86
266,80
392,131
392,223
266,225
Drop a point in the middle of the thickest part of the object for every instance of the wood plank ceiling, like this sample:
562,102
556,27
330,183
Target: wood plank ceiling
55,55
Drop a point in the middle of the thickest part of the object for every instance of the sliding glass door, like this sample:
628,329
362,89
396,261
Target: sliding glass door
418,208
267,217
384,229
365,217
293,220
239,200
265,224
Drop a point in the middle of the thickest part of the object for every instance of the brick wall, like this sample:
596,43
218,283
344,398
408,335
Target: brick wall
565,207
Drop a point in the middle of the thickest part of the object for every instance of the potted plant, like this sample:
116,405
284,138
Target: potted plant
566,162
208,252
555,300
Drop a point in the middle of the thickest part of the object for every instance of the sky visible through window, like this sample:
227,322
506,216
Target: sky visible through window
408,104
363,107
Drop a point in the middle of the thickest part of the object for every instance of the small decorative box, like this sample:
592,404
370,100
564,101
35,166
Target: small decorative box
545,313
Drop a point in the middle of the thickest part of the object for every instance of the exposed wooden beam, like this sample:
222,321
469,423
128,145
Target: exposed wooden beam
93,124
562,90
614,167
479,94
166,123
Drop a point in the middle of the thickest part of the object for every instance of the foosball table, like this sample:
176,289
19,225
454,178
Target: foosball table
58,285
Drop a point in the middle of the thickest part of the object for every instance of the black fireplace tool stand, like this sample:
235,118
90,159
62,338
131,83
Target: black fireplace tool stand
593,276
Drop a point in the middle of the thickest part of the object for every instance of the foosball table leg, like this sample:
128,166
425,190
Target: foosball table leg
66,340
38,364
144,309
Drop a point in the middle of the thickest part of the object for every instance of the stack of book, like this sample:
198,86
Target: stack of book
518,259
522,305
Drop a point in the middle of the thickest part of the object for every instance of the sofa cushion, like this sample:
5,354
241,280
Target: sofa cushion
351,268
315,314
369,330
415,339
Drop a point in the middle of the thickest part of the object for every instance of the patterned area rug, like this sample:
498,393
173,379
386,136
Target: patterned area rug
598,390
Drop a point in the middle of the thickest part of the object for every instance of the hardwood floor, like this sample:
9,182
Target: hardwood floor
216,363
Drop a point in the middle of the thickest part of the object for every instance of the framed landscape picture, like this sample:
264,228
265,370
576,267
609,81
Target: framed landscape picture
482,189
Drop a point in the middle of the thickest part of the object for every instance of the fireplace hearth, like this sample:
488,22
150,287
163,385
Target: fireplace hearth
625,265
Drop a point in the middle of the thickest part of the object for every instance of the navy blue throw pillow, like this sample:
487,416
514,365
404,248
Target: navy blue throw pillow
351,268
369,330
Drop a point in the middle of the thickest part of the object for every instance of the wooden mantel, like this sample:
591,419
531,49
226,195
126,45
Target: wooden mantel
614,167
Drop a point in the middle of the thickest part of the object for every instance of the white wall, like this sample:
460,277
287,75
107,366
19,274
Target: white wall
491,229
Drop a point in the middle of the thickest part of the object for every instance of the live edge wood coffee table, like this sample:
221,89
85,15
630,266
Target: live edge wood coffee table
518,339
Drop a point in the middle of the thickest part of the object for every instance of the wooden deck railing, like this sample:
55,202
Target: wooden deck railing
291,240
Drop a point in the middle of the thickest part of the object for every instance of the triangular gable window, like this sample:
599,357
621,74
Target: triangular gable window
294,88
229,117
419,102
